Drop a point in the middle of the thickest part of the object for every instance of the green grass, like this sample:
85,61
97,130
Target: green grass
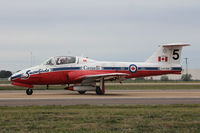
101,119
114,87
159,81
36,87
5,82
152,87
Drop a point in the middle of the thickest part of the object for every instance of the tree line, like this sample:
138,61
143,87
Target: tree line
5,74
184,77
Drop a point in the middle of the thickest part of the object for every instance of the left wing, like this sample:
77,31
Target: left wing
107,76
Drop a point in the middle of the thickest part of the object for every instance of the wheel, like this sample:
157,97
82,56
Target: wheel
99,91
81,92
29,91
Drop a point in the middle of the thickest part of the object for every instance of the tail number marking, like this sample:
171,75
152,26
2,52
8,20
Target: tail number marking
176,54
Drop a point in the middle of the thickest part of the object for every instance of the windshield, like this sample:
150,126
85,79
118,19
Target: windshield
65,60
61,60
50,62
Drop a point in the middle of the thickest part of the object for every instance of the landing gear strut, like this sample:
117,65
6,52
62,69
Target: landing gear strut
29,91
100,90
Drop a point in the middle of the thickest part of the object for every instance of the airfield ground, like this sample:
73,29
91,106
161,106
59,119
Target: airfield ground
152,107
4,85
101,119
112,97
116,94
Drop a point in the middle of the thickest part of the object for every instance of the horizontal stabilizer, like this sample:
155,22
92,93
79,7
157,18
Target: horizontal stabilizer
175,45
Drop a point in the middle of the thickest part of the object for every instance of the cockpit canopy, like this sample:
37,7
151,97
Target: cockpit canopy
61,60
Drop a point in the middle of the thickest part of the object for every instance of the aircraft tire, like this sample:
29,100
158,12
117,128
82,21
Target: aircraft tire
29,91
99,91
81,92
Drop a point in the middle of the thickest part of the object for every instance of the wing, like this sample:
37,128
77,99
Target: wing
107,77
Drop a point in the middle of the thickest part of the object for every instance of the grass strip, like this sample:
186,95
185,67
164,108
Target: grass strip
101,119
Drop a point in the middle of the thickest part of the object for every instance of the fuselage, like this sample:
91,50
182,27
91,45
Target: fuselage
51,73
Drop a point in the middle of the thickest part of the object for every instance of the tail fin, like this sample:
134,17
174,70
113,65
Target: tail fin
168,54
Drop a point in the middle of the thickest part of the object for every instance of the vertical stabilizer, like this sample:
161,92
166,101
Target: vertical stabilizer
167,54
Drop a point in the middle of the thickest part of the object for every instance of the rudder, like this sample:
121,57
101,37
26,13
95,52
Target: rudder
167,54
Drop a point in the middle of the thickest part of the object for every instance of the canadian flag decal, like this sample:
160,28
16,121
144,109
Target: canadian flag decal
85,59
162,59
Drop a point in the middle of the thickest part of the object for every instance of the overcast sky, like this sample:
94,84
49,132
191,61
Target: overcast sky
118,30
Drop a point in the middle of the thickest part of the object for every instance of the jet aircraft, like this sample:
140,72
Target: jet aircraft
81,74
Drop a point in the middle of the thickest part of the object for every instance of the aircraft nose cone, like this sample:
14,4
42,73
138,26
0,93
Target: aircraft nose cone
10,78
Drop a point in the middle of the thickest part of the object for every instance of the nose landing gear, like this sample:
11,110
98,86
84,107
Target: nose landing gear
29,91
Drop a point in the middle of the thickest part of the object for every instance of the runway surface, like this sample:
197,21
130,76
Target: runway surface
112,97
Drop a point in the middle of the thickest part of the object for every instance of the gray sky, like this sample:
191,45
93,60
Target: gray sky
113,30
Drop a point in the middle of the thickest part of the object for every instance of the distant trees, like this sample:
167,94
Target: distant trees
186,77
5,74
140,79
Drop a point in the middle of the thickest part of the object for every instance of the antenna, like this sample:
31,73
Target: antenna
186,63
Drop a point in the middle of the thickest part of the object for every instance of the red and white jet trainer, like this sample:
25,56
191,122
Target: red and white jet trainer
82,74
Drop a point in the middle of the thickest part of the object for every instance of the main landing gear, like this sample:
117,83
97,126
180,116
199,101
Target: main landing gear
100,90
29,91
81,92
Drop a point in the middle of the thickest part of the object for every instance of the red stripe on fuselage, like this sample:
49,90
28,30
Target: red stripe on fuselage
70,77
